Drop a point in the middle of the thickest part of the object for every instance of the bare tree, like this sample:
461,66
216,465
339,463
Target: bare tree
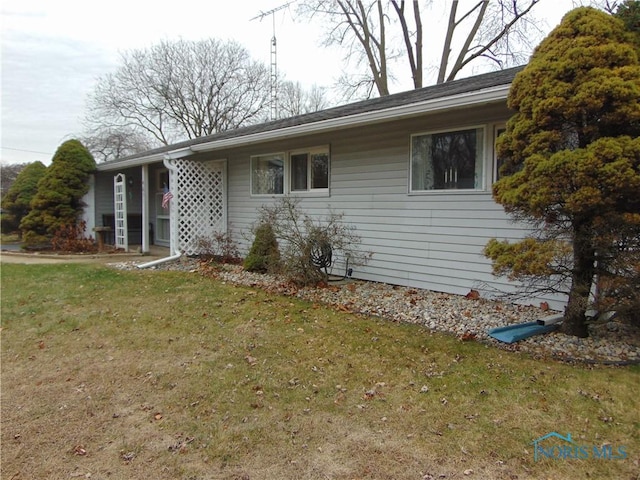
294,100
493,30
8,174
109,143
414,50
361,27
181,90
496,29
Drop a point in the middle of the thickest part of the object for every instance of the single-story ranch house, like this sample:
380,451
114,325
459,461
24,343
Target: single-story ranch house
412,172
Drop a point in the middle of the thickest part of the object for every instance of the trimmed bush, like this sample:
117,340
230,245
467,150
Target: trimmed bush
264,255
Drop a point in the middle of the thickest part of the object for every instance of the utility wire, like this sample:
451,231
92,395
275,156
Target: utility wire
26,151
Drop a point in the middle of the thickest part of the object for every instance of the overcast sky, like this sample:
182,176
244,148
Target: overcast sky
54,50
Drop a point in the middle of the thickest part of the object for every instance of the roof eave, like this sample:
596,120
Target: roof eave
484,96
361,119
144,160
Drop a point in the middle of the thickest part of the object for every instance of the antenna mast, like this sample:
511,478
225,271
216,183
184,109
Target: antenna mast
274,58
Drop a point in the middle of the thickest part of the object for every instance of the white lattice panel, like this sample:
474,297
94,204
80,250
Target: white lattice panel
201,204
120,210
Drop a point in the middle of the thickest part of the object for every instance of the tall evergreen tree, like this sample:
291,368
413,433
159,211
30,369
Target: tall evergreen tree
572,161
16,202
58,201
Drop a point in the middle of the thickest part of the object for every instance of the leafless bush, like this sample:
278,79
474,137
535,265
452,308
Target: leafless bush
71,238
308,245
220,247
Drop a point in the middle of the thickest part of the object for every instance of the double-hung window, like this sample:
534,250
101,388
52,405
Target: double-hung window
305,170
451,160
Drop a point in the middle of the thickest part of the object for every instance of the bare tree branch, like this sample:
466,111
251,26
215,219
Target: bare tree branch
178,90
415,59
294,100
506,8
490,29
472,34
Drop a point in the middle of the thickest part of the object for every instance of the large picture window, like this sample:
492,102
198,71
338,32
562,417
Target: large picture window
447,160
267,174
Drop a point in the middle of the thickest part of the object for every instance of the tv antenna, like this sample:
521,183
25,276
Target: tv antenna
274,58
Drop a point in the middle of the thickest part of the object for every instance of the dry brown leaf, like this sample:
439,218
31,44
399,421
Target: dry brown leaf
473,295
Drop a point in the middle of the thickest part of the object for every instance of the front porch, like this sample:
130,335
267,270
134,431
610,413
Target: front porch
170,204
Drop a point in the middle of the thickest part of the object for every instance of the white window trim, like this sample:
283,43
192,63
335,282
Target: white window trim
310,191
487,156
494,152
287,178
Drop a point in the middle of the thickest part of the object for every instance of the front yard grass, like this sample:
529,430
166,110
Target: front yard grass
109,374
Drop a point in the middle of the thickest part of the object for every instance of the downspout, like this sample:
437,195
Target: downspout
173,218
160,260
173,206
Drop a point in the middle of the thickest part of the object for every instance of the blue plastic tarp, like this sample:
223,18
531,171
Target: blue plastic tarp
514,333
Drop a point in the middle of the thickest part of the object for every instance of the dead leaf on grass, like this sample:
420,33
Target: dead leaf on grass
79,450
181,446
127,456
467,336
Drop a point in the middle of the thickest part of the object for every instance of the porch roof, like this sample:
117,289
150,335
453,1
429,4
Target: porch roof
480,89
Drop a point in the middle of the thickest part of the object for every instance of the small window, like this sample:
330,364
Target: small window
309,170
447,160
267,174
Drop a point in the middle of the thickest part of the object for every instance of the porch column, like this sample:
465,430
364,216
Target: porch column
145,208
174,243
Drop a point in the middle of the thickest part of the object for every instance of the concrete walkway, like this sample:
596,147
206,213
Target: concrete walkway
13,256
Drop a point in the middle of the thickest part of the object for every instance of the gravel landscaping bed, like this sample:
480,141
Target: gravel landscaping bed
469,319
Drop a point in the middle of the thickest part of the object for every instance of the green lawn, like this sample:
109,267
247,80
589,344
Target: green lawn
167,375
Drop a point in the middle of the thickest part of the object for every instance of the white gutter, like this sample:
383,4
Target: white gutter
492,94
160,260
138,161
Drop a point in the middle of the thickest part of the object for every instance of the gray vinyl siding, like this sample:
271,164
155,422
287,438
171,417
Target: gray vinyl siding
433,240
104,196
